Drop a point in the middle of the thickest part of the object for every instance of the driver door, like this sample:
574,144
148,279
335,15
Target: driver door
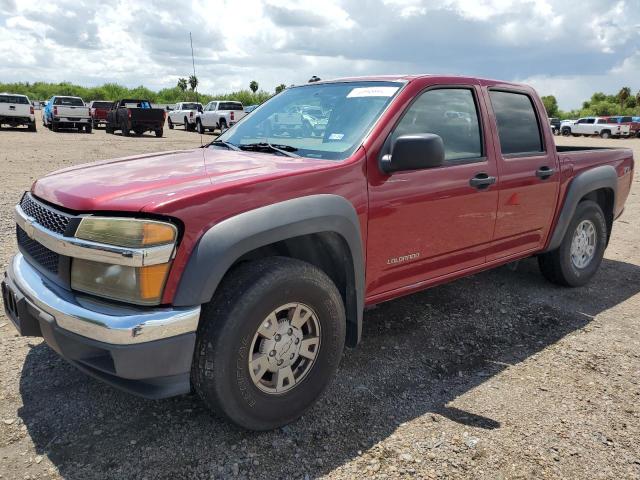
426,224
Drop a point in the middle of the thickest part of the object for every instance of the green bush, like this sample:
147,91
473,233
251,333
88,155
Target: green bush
113,91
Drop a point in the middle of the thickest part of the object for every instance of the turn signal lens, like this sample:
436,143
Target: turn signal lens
138,285
126,232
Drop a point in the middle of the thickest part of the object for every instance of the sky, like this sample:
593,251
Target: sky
568,48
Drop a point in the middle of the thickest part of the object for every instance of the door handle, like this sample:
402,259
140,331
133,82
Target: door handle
544,172
482,181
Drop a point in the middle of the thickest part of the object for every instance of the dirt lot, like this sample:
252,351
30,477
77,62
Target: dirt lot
500,375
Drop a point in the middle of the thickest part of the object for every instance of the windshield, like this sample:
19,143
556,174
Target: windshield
69,101
326,121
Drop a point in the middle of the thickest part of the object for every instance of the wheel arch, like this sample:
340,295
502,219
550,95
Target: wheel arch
598,184
320,229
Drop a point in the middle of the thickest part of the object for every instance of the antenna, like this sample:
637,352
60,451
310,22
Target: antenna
193,62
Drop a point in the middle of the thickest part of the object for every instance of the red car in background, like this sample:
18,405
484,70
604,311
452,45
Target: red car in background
634,126
98,110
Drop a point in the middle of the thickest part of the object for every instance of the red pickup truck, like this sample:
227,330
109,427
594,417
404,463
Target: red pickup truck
98,110
241,269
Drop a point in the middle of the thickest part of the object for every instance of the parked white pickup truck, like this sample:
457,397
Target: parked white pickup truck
588,126
16,110
66,112
184,114
219,114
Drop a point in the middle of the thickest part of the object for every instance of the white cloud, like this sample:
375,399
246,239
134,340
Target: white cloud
565,47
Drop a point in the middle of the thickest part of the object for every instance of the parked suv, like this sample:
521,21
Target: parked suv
240,270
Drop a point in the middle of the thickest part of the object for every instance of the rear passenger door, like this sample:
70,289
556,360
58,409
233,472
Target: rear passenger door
528,170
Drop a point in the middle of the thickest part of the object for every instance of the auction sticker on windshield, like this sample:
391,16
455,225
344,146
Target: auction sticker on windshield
372,92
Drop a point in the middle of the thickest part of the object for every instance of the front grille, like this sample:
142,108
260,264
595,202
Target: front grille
44,215
38,252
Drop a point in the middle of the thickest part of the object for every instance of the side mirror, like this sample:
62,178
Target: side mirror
414,152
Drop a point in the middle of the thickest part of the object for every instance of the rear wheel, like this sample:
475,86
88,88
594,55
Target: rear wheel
186,124
269,342
88,128
605,134
159,132
223,125
578,258
139,131
32,126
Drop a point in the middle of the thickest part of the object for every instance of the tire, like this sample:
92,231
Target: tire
186,124
201,130
227,337
170,124
32,126
566,132
223,125
139,131
108,129
54,127
605,134
159,132
88,128
559,267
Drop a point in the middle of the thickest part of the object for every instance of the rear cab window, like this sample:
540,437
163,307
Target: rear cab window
230,106
69,102
518,126
17,99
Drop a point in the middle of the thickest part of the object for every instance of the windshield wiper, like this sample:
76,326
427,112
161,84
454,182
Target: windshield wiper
222,143
283,149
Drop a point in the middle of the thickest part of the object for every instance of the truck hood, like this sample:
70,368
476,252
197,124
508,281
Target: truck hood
133,183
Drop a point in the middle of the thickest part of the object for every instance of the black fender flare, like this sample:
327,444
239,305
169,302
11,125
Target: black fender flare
225,242
604,176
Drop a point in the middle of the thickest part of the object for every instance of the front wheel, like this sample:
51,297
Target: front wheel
578,257
269,342
170,124
200,128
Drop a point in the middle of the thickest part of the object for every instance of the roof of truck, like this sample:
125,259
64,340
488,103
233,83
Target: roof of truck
408,78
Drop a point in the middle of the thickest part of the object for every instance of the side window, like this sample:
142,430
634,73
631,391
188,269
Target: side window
450,113
518,127
591,121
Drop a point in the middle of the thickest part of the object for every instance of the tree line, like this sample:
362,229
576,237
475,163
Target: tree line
185,90
600,104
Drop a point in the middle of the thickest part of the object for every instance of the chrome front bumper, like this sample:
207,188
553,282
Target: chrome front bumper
97,320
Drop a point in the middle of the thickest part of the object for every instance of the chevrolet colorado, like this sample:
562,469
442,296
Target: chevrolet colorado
241,269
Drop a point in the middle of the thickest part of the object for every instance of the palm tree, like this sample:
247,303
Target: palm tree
193,82
253,85
182,84
282,86
623,94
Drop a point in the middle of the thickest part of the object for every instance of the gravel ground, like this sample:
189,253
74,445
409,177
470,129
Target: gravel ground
499,375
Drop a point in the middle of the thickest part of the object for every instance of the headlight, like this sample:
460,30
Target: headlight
139,285
126,232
